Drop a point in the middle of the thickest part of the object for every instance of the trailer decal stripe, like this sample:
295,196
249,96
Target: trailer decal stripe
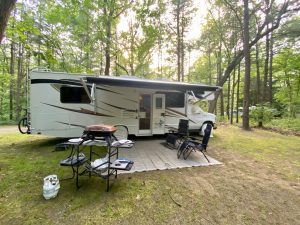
172,116
84,111
174,111
117,93
128,110
103,89
181,114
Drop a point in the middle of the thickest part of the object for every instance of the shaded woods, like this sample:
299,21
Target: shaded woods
250,49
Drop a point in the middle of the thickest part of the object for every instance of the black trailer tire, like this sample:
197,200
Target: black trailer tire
23,126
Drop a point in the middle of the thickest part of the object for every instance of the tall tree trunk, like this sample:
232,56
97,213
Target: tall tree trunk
6,7
209,65
178,50
101,60
131,53
12,72
107,47
228,98
219,77
182,44
222,103
271,69
11,84
108,17
258,91
19,82
247,67
2,87
213,104
182,59
266,70
238,93
87,43
232,96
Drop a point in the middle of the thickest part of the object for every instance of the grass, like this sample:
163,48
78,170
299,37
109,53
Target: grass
8,122
292,124
258,183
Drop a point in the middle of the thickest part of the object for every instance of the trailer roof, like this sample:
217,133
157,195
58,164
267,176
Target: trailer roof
150,84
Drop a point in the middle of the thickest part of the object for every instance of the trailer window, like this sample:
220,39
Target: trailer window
73,95
158,103
175,100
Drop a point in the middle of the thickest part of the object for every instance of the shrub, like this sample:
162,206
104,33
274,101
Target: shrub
262,114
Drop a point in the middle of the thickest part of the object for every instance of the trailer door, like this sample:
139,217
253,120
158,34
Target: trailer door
145,114
158,121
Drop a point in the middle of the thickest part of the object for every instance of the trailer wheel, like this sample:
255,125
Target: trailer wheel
23,126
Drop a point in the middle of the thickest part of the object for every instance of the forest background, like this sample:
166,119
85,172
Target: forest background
249,48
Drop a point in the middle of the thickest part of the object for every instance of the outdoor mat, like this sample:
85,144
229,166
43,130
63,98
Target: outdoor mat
151,154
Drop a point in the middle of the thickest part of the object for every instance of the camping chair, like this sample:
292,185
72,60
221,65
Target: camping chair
120,137
175,139
190,145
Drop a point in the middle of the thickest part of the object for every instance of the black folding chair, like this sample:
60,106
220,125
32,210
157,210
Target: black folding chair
190,145
175,139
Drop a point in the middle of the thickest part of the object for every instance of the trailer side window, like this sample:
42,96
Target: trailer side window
70,94
175,100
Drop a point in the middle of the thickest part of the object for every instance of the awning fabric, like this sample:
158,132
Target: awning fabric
150,84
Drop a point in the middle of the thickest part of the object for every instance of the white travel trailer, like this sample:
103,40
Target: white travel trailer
62,104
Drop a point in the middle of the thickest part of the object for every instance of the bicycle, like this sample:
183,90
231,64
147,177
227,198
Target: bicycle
24,124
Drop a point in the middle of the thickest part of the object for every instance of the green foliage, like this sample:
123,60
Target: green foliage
261,114
287,80
285,124
73,36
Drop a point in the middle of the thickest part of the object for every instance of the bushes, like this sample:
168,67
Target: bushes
292,124
262,114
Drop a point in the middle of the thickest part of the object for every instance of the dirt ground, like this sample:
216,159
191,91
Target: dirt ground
8,129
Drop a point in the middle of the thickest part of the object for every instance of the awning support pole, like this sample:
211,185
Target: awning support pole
86,90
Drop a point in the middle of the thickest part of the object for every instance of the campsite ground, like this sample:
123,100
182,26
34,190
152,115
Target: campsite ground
258,183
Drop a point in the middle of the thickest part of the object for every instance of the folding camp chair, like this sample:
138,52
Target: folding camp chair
190,145
175,139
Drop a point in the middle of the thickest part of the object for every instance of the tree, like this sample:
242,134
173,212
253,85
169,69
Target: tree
6,6
182,12
287,75
273,17
112,9
247,67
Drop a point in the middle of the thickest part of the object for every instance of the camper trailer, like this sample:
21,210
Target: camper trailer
62,104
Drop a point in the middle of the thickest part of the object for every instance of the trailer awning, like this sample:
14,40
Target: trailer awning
151,84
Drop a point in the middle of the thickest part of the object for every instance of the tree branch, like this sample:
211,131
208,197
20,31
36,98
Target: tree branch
122,67
235,12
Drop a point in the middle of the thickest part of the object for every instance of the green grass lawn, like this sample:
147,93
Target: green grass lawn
258,183
285,124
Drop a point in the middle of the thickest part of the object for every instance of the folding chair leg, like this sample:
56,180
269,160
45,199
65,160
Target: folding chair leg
187,152
205,156
179,152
